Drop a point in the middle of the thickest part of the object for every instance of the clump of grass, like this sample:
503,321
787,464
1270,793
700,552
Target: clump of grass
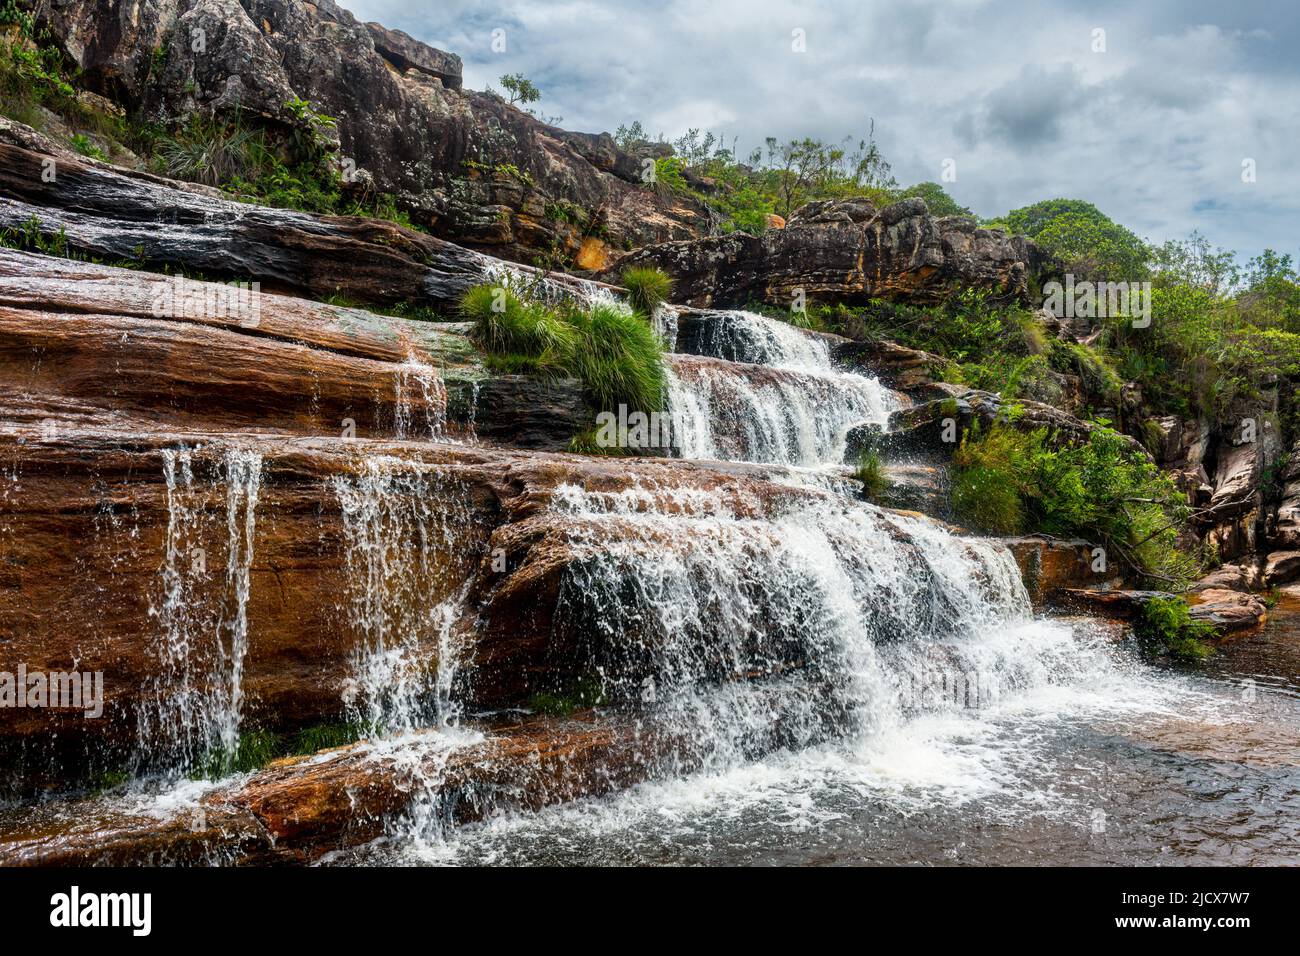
319,737
615,353
211,153
84,145
507,325
871,472
647,287
619,358
253,750
1167,627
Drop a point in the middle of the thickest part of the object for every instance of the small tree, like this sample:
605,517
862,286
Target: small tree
520,88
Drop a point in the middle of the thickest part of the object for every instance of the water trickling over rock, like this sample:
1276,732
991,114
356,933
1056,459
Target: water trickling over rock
411,548
193,708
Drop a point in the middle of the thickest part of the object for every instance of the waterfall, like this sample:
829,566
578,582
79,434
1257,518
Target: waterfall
192,709
754,339
760,390
410,550
728,411
776,626
420,401
833,601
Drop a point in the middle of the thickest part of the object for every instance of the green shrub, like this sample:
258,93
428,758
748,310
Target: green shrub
668,175
32,236
86,147
1167,627
13,15
646,288
991,478
1009,481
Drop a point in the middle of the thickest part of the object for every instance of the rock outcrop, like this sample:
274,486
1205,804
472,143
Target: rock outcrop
467,165
845,251
121,216
1227,612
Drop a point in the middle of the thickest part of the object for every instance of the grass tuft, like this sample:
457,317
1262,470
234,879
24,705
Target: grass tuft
647,287
615,353
871,472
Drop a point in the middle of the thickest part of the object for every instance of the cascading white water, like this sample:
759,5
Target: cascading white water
410,540
808,632
754,339
763,391
727,411
193,706
551,290
835,600
420,401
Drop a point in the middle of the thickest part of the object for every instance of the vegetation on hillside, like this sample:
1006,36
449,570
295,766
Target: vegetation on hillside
1009,481
250,162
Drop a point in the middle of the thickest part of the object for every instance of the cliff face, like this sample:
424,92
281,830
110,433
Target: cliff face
847,251
469,166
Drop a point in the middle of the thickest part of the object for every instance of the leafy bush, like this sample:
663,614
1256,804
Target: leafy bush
992,477
1167,627
1089,243
13,15
86,147
646,288
1010,481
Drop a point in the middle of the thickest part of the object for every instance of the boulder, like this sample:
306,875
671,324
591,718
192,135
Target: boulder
1050,567
931,429
1246,576
1228,612
914,371
297,809
1281,567
1116,603
405,52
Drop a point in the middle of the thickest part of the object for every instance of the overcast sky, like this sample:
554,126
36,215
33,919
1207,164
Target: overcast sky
1154,129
